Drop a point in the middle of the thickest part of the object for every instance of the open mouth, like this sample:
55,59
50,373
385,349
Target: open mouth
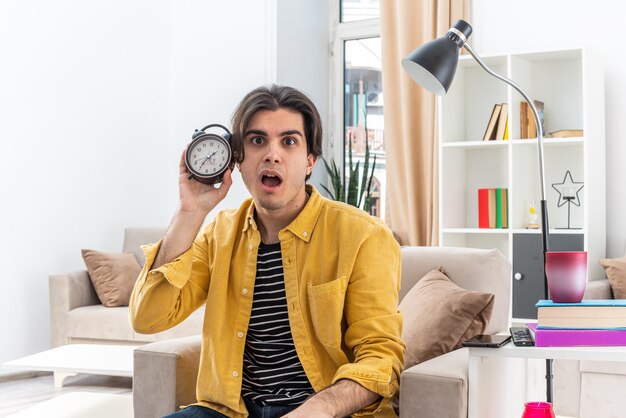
270,180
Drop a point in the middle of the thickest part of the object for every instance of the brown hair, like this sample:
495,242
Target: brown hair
272,98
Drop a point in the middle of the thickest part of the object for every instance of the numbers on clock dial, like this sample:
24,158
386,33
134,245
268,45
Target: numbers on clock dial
209,157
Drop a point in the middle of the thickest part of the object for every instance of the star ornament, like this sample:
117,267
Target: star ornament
568,190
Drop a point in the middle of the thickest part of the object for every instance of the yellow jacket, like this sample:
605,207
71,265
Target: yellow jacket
341,269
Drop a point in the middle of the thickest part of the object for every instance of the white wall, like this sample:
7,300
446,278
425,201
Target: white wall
502,26
302,56
219,50
97,100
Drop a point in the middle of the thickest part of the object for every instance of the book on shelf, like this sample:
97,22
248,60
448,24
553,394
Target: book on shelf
523,119
492,208
501,208
490,132
577,337
567,133
540,106
483,208
587,314
528,128
486,208
502,121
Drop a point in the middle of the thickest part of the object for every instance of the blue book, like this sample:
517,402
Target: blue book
588,302
587,314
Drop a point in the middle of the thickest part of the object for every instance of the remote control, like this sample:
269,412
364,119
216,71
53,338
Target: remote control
522,337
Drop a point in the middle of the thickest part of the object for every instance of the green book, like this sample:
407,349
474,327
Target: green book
499,203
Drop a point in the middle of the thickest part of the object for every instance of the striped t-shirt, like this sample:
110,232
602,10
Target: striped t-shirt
272,372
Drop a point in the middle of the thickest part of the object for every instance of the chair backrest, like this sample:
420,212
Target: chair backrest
134,238
472,269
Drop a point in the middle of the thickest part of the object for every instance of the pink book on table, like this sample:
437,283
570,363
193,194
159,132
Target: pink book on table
577,337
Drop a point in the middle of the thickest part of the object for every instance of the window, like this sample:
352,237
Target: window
357,94
352,10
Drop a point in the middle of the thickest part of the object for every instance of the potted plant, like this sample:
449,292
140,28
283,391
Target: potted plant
350,190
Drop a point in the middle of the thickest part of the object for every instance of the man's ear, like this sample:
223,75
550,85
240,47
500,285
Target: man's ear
311,159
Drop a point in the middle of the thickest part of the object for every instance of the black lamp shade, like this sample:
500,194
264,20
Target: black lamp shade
433,64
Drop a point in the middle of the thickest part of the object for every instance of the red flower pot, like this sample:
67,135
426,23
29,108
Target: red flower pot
566,272
538,410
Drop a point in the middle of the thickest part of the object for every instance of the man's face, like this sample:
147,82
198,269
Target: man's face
276,161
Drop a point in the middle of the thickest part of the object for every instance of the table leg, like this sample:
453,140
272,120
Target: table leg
472,396
59,377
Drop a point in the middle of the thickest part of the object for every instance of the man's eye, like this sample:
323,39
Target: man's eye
290,141
257,140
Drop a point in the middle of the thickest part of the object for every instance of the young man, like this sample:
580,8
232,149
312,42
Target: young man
301,292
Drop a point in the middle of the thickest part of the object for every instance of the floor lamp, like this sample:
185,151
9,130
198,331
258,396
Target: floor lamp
433,66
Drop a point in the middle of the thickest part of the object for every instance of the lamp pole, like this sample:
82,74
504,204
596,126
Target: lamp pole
539,131
542,181
433,66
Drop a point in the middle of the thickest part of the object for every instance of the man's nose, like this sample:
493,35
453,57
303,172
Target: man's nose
273,152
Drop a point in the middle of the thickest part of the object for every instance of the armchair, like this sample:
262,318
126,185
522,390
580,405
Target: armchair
165,372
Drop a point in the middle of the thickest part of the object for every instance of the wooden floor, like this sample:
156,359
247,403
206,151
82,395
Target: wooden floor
18,394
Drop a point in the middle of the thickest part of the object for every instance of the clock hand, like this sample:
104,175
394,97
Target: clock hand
205,160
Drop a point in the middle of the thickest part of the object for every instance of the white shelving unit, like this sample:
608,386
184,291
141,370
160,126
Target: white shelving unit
570,83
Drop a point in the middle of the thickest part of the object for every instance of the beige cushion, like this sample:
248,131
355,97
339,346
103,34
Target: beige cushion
439,316
98,322
485,271
113,275
615,269
134,238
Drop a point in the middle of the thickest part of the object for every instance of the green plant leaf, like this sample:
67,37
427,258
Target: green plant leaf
330,194
366,161
369,182
336,180
353,186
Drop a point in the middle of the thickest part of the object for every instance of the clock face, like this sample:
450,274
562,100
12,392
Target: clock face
208,156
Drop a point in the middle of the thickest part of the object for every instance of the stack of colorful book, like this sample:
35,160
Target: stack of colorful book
590,323
493,208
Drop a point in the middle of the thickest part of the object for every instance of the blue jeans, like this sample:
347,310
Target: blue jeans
254,409
195,411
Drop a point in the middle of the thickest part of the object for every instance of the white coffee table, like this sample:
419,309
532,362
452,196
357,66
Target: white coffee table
490,392
69,360
81,405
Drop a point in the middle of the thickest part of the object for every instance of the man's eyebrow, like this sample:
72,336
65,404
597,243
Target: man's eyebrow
291,132
255,132
284,133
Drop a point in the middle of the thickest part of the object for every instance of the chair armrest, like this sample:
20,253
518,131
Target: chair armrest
68,291
598,289
164,376
436,388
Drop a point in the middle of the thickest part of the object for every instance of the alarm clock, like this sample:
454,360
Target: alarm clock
209,155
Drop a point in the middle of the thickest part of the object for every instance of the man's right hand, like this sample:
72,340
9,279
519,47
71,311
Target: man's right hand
196,197
196,201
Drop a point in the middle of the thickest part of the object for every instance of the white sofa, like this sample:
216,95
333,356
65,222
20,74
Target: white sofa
77,316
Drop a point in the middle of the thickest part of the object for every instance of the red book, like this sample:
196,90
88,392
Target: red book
487,208
483,208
